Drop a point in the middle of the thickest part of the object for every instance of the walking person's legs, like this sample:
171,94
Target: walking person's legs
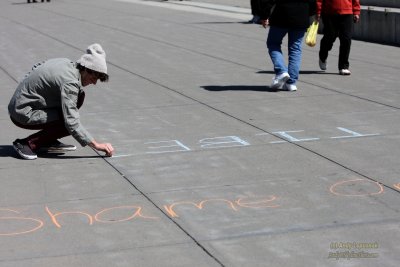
274,42
345,26
330,34
295,42
255,11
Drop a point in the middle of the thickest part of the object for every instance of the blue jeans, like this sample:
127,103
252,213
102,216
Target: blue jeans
295,42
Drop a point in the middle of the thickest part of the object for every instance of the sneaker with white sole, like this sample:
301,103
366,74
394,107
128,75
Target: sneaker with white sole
57,146
23,149
323,65
279,80
344,72
289,87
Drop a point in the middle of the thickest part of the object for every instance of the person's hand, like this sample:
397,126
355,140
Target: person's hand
105,147
265,23
356,18
317,17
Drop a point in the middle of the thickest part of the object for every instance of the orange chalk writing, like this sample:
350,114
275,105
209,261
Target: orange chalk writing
397,186
137,213
349,188
37,224
54,216
262,203
171,212
17,225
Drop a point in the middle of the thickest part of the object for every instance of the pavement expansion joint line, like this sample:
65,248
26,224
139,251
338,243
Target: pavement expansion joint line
222,112
224,8
197,7
197,242
258,128
324,227
200,53
194,51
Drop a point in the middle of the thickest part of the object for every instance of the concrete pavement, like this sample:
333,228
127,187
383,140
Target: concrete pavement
211,168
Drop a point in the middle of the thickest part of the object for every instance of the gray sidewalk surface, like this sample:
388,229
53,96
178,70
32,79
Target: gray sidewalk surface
211,167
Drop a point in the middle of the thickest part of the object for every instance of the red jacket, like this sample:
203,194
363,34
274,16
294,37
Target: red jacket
340,7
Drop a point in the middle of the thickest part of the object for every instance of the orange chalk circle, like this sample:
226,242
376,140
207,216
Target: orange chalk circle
39,222
20,232
263,203
356,182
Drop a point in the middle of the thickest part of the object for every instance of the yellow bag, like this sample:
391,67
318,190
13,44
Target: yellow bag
311,35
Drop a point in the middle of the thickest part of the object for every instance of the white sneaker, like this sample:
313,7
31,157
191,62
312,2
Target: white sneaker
289,87
323,65
344,72
279,80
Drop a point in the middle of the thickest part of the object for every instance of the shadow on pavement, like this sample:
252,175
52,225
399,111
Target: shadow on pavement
220,22
20,3
301,72
8,151
258,88
63,156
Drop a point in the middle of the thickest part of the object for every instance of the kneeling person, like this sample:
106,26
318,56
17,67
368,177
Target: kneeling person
48,99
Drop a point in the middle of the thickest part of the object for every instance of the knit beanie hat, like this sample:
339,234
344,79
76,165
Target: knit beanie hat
94,59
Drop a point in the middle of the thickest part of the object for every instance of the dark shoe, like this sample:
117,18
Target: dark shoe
57,146
255,20
23,149
322,64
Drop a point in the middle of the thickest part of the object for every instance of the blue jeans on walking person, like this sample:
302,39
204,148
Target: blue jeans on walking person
295,41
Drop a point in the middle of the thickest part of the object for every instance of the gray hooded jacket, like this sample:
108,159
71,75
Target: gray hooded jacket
49,90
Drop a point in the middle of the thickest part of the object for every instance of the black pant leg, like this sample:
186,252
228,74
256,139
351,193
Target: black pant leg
345,25
255,7
49,132
330,34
